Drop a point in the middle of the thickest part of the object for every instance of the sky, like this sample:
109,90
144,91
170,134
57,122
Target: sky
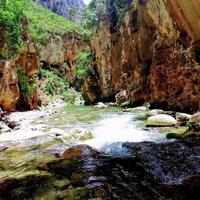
87,1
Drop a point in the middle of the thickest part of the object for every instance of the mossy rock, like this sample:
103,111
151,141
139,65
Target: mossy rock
62,183
142,116
78,193
87,136
161,120
177,133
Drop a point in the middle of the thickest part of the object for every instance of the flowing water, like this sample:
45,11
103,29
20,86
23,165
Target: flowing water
107,125
41,141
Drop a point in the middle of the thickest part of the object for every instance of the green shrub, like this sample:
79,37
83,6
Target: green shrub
83,63
56,86
11,15
25,86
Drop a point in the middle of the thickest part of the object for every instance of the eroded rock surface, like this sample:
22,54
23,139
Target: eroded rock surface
60,55
151,50
10,95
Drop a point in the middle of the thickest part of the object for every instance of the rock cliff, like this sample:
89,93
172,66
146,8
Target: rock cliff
60,55
71,9
10,95
149,48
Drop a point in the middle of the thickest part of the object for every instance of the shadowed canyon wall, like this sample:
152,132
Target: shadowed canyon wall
152,51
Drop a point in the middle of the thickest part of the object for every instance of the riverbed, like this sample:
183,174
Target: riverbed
39,139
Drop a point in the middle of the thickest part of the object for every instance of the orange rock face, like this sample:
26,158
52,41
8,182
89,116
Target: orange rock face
9,90
10,96
153,53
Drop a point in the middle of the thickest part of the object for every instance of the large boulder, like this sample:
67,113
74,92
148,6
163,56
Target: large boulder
163,171
161,120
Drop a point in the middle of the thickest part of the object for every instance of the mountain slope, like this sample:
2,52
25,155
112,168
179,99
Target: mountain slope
70,9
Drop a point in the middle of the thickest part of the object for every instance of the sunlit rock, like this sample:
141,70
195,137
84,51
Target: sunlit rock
196,118
161,120
156,112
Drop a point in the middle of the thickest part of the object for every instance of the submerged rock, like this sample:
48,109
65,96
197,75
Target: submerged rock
77,134
137,109
4,128
161,120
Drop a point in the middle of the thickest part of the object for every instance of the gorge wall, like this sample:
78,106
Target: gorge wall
10,95
150,49
60,56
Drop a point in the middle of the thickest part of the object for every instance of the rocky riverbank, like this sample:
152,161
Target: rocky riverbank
20,125
47,154
152,171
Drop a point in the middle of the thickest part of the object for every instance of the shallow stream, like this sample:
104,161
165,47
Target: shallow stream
23,151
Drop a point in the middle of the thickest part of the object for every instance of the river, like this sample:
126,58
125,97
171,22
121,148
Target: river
40,140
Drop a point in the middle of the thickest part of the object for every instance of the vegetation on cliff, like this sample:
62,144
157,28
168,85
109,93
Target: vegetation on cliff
51,85
99,10
83,64
44,25
11,28
27,85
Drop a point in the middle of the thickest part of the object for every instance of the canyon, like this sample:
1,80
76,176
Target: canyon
151,53
99,102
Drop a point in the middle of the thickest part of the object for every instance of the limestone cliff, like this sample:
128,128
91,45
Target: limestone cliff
60,55
150,48
70,9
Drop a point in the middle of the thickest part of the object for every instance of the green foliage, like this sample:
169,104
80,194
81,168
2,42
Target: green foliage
83,64
101,9
93,13
56,86
45,25
90,16
11,14
25,86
